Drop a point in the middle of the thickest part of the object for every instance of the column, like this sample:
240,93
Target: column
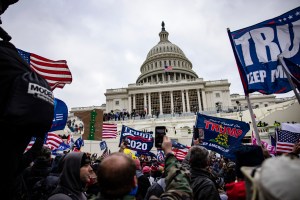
172,103
129,104
149,104
160,104
157,79
199,100
204,99
134,107
187,101
180,77
183,104
145,103
163,77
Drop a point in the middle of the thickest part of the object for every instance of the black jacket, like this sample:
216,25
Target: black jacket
203,187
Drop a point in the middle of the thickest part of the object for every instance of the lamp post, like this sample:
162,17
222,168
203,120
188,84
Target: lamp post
240,110
241,115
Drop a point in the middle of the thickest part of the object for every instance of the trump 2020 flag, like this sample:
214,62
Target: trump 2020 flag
137,140
56,73
60,115
256,49
221,135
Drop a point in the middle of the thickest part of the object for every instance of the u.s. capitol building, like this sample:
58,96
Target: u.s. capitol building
168,85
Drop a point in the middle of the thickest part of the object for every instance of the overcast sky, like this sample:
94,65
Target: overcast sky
106,42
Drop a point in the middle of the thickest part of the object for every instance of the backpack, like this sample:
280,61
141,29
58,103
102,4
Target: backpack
44,188
28,103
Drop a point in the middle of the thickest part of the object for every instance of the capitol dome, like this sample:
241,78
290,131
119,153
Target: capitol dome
165,55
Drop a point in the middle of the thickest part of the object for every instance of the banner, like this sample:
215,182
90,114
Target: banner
271,149
256,49
136,140
60,115
221,135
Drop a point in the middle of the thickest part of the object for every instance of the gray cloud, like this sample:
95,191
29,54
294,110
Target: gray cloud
106,42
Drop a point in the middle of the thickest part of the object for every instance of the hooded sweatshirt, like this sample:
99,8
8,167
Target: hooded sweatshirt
70,181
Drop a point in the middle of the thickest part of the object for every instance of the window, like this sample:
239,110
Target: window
117,103
218,95
266,105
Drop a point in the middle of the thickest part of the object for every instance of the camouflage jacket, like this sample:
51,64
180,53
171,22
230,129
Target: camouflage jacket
177,181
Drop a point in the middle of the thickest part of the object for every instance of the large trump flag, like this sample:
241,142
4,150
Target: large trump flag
221,135
256,49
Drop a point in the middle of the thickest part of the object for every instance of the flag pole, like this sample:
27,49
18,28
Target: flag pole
253,121
280,57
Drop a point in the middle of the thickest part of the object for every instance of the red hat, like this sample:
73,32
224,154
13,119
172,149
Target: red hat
146,169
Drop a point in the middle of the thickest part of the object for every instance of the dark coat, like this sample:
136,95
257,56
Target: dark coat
203,187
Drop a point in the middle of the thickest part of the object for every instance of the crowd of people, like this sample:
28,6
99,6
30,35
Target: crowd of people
203,174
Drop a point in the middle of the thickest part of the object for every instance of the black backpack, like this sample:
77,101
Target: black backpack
26,101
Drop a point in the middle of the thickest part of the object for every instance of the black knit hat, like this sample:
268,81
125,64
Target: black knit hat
248,155
85,160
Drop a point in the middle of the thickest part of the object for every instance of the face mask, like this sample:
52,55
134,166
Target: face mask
133,191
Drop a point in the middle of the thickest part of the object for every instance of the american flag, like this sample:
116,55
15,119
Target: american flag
53,140
56,73
168,68
286,141
109,130
180,153
32,141
105,153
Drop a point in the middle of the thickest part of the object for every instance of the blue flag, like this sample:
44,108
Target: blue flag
178,145
220,134
103,145
136,140
63,146
79,143
60,115
160,156
294,71
256,49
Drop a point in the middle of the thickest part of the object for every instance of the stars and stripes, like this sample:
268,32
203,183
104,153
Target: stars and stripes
286,141
168,68
105,153
53,141
180,153
56,73
32,141
109,130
